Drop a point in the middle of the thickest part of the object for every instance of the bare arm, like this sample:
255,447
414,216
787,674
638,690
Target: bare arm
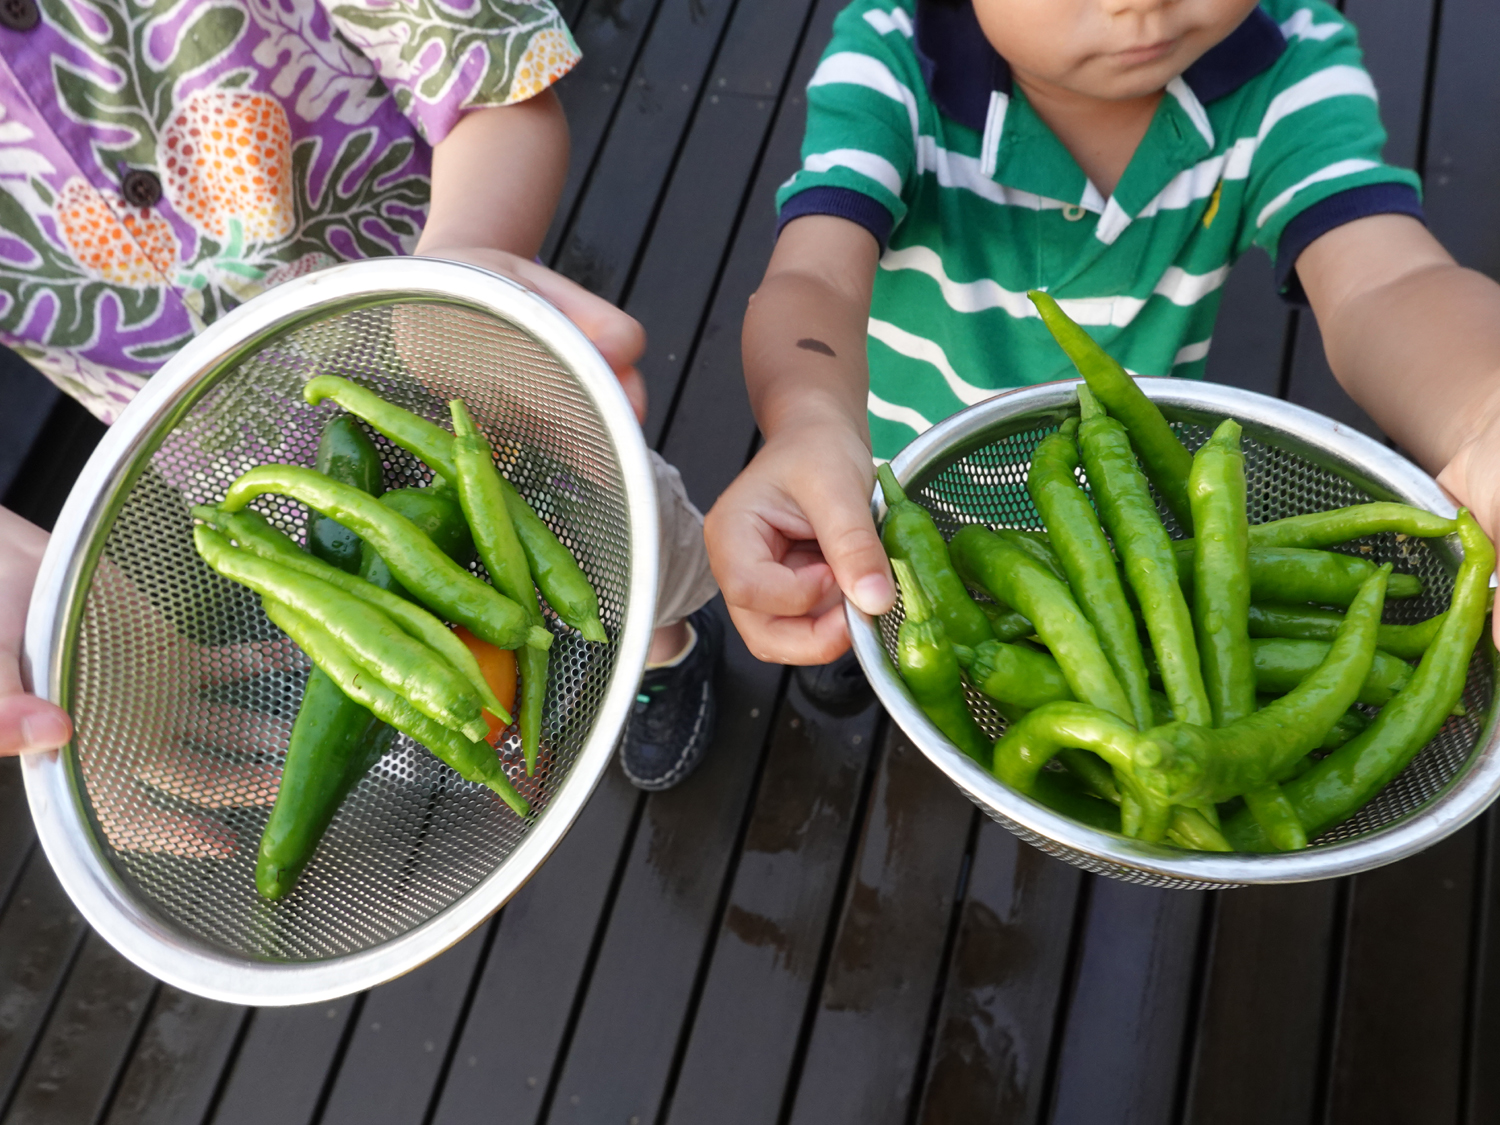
1415,340
793,532
496,179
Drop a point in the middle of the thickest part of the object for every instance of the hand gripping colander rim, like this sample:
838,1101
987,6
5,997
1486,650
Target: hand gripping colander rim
57,805
1330,445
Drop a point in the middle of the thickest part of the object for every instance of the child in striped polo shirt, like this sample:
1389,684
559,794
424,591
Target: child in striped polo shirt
1119,154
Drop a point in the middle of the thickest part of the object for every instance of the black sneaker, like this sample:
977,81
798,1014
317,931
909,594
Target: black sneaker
838,686
673,720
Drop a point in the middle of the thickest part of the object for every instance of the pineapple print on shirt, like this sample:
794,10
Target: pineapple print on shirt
114,241
226,156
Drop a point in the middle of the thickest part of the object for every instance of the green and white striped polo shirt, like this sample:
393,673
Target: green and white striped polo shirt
915,132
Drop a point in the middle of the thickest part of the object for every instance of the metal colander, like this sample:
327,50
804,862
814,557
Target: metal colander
182,692
972,468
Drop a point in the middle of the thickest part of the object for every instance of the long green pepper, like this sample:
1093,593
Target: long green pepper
474,761
1129,514
483,503
930,670
1084,553
1167,461
403,664
1221,574
909,533
557,573
431,576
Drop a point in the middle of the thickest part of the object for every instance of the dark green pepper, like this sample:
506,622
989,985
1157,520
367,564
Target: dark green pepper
345,453
930,670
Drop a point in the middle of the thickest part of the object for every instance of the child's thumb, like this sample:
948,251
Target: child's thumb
852,549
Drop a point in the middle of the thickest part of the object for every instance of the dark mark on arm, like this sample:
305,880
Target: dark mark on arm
811,345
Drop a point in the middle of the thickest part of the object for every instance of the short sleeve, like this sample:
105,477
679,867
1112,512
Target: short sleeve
1317,162
443,57
860,148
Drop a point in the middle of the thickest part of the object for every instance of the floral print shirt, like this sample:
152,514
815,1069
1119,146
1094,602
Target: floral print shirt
162,161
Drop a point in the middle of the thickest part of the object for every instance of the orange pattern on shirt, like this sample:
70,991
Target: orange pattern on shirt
228,154
122,244
549,56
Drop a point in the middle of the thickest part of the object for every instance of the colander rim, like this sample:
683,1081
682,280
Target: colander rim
52,785
1375,467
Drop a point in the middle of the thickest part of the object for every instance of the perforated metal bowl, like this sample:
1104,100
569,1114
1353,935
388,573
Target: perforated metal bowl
973,467
182,693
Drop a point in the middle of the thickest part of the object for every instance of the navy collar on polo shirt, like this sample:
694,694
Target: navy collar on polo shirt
962,70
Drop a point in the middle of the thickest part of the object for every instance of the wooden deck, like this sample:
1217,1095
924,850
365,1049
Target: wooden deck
817,927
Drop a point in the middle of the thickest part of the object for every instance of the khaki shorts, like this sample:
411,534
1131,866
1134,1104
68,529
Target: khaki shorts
684,582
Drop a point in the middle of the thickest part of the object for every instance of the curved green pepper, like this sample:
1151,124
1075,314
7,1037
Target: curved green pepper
930,670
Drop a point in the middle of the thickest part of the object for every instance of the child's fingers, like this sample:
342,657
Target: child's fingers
760,583
846,533
28,724
618,335
793,640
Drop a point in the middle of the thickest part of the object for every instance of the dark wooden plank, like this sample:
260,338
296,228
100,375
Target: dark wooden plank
1463,145
634,161
1399,1032
26,398
675,279
283,1064
16,835
662,923
57,456
85,1042
712,415
1261,1033
1482,1077
862,1053
741,1044
175,1068
1123,1035
1250,332
1005,985
610,34
39,934
552,922
397,1050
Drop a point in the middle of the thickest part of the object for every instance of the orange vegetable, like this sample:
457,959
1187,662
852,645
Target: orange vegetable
498,665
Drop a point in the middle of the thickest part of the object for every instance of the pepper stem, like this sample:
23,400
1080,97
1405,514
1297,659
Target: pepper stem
1088,405
889,485
463,422
918,608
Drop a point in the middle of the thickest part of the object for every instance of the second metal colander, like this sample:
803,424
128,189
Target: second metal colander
182,693
972,468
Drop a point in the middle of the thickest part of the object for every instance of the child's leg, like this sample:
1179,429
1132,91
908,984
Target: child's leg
673,719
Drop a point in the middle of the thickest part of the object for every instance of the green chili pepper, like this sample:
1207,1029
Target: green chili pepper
345,453
1064,793
1299,574
1086,560
1215,765
417,562
1308,623
334,743
1017,579
1273,812
557,573
1033,543
1221,574
483,502
404,665
909,533
1335,788
474,761
930,669
1323,529
1167,461
255,534
1129,514
1281,664
1006,624
435,513
1010,673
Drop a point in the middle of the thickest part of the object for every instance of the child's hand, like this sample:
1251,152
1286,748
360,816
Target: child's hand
27,723
618,335
790,536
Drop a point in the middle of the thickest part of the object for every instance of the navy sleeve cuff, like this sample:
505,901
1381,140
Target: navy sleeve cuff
1326,214
842,203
